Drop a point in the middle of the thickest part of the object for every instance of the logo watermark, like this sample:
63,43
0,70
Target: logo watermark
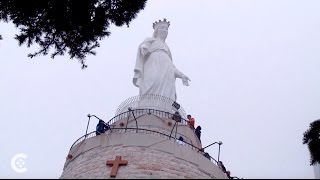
18,163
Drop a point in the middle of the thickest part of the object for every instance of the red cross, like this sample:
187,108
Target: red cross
115,165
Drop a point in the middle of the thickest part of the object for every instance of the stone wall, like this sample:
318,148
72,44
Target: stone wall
142,163
149,154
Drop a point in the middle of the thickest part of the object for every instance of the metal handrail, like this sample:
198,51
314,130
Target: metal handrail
140,130
149,100
82,138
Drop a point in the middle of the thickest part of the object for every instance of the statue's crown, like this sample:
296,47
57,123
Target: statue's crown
161,23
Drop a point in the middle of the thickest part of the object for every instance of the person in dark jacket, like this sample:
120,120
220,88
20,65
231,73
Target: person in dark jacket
180,140
222,167
177,117
207,155
101,127
198,132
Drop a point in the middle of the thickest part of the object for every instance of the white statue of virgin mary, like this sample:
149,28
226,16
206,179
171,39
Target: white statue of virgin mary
154,72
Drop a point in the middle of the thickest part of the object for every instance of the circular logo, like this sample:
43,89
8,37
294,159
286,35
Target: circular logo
18,163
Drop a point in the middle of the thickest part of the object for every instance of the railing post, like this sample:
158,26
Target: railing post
173,128
134,118
125,130
219,151
176,130
85,137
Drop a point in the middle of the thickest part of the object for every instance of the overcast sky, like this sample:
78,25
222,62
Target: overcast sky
254,70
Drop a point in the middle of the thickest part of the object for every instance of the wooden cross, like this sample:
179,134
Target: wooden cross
115,165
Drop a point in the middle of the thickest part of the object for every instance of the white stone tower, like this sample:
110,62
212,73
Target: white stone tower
142,143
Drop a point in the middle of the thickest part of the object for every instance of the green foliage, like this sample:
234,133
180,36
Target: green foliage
312,138
74,26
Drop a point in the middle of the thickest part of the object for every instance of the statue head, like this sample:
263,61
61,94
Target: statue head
159,23
161,29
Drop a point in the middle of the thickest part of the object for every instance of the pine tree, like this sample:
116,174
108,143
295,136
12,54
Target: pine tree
73,26
312,138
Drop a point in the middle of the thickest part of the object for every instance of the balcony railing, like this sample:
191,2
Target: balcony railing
146,131
137,112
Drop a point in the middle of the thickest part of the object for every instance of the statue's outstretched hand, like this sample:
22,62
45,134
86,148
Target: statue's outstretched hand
185,80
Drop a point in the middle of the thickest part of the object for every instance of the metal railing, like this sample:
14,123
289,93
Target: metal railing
150,101
82,138
146,131
127,114
140,112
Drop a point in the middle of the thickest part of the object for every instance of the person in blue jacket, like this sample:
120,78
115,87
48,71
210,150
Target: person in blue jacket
101,127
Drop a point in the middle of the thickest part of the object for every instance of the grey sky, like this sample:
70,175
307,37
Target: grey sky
254,70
